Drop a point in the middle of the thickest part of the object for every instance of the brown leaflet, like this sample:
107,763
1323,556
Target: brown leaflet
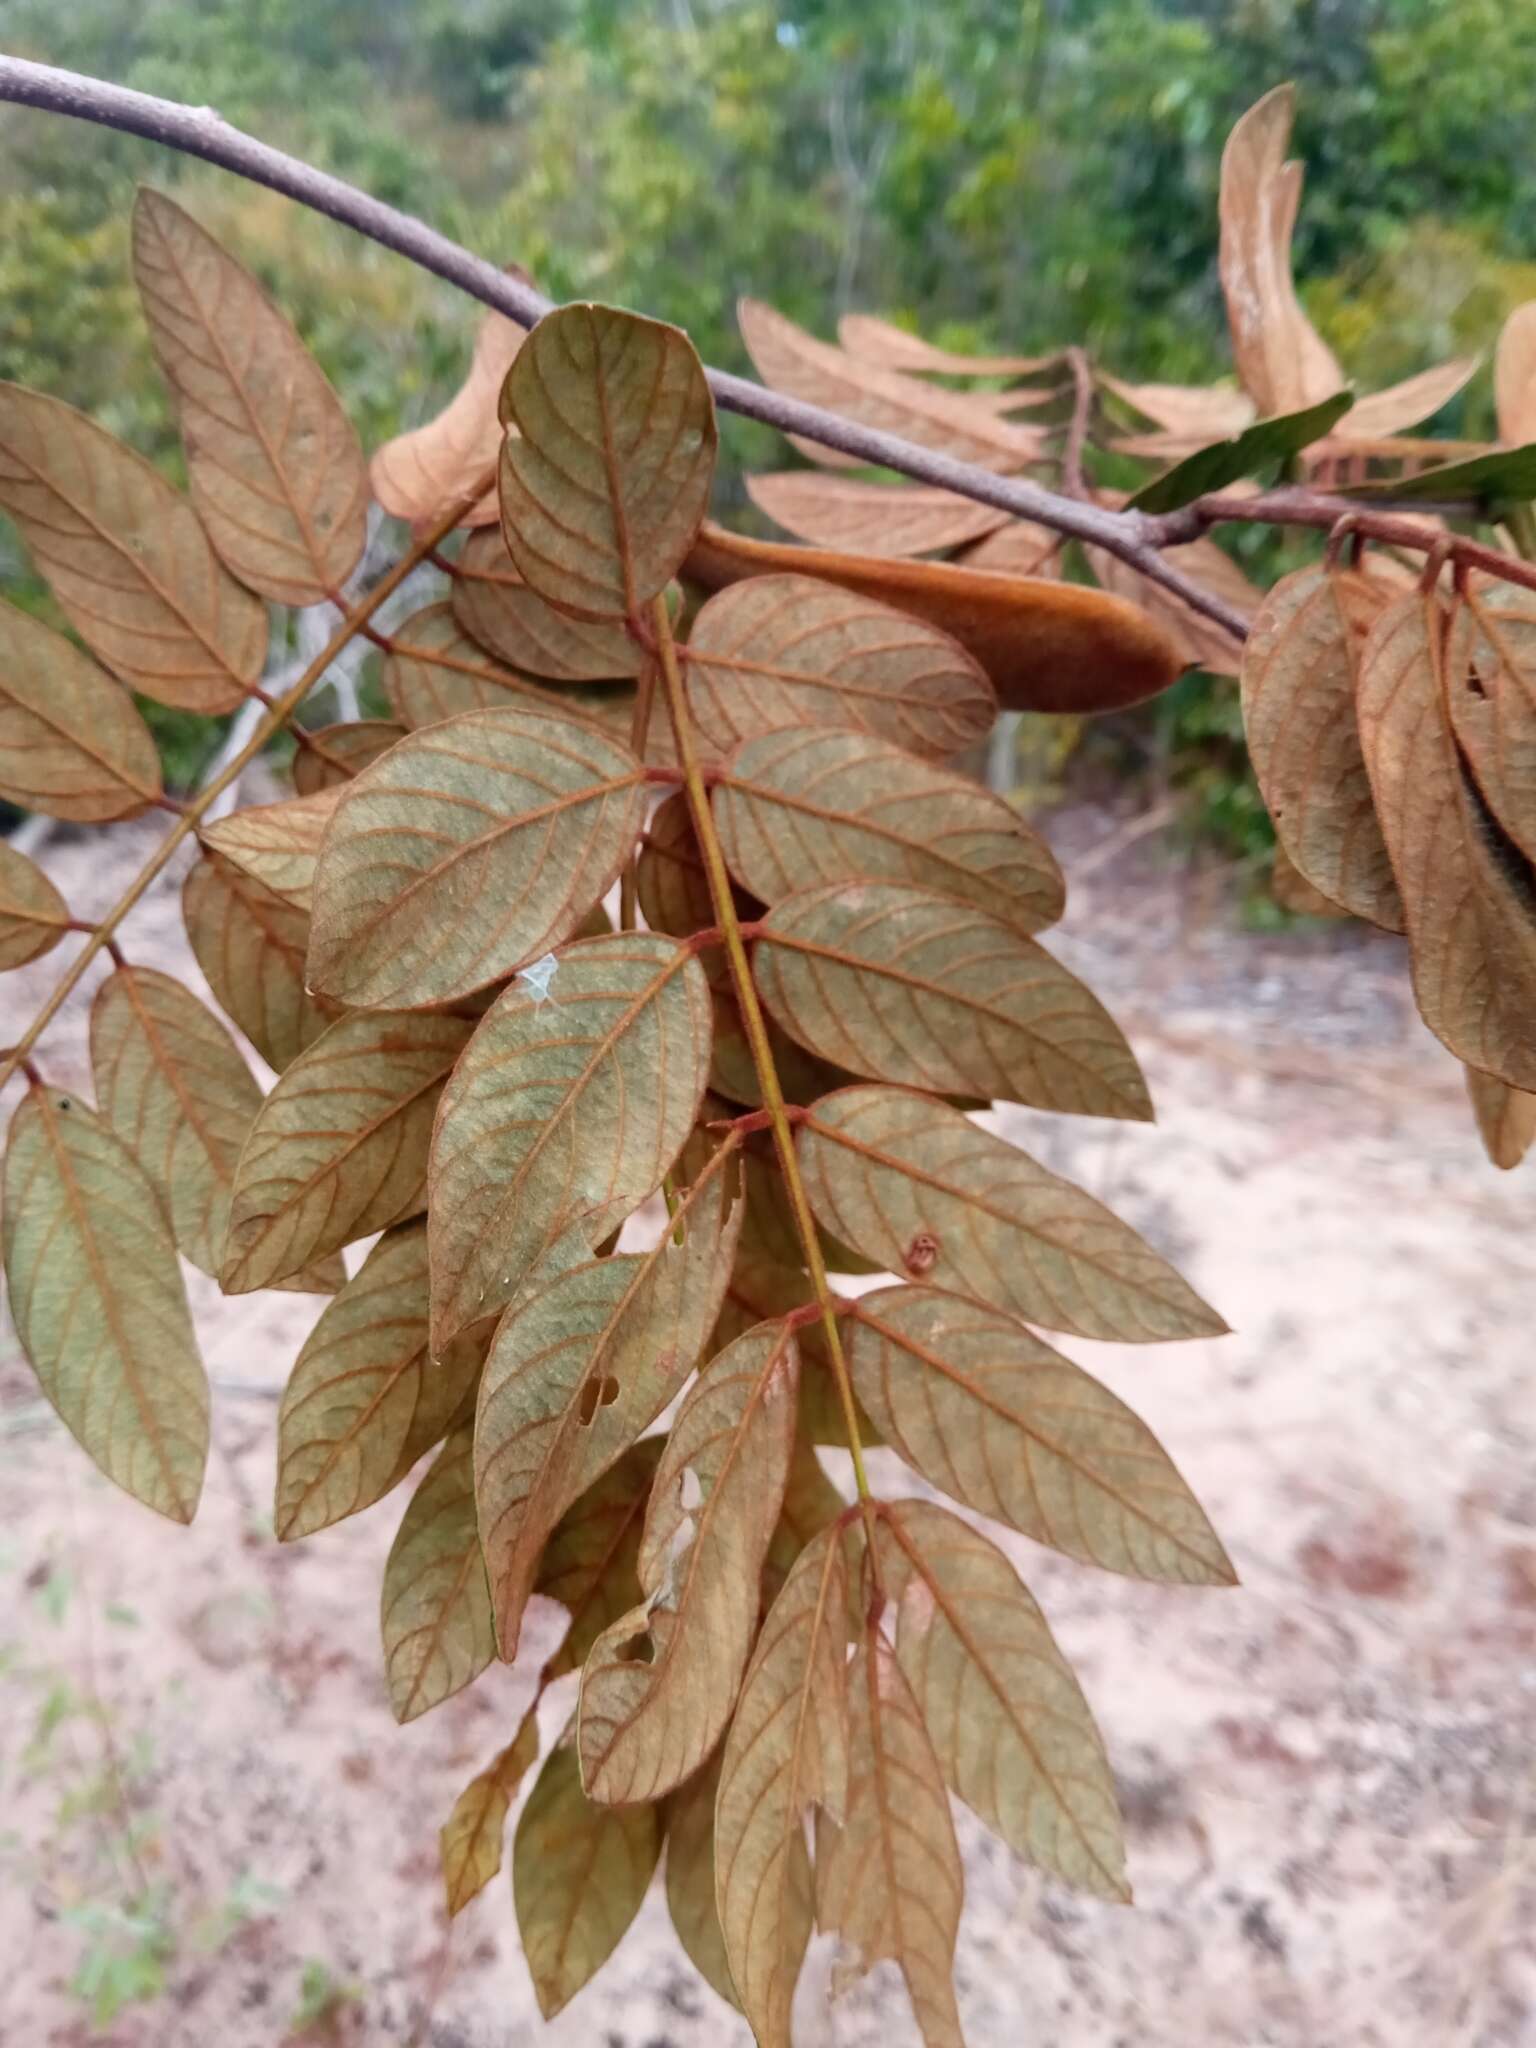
811,1503
1506,1118
33,915
904,986
1300,673
173,1085
1020,548
342,751
893,348
1046,645
1514,377
275,469
499,611
435,1610
1467,890
602,495
1202,642
1283,362
889,1879
339,1148
691,1878
1490,689
591,1561
647,1721
434,670
1385,413
1187,412
806,805
585,1359
579,1873
1007,1718
366,1398
921,1190
468,849
1293,892
278,844
787,1750
98,1302
72,744
251,944
420,474
127,559
470,1839
567,1109
872,519
795,362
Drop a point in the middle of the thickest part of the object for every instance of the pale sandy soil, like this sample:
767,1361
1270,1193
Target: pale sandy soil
1327,1773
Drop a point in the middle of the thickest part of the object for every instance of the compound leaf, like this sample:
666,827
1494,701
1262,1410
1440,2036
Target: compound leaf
435,1613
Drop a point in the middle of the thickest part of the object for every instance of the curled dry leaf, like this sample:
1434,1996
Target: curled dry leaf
1490,691
1008,1721
420,474
274,465
339,752
790,650
435,1612
569,1105
173,1085
889,1879
591,1563
1300,674
604,486
1506,1118
901,985
871,519
921,1190
795,362
1467,890
1514,377
1045,644
1002,1423
366,1398
71,743
587,1356
806,805
579,1873
499,611
691,1878
339,1148
893,348
33,915
470,1839
251,944
98,1303
127,558
787,1751
658,1686
469,848
277,845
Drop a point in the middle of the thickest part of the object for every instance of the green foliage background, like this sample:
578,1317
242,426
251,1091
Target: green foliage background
1015,173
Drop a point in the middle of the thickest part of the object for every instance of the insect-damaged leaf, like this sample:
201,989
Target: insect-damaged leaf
658,1686
691,1877
871,519
602,494
906,986
568,1107
1506,1118
338,752
339,1148
467,849
435,1613
500,612
33,915
419,475
591,1562
1467,889
127,558
275,468
98,1302
278,844
921,1190
1001,1422
1490,689
878,341
251,943
787,1750
889,1879
1010,1727
805,805
71,743
172,1084
1300,671
790,650
366,1398
579,1872
587,1356
470,1839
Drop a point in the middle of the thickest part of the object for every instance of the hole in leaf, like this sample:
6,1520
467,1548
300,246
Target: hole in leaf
1475,684
922,1254
595,1394
638,1650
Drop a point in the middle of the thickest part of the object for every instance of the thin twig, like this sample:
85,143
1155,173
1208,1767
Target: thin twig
1073,482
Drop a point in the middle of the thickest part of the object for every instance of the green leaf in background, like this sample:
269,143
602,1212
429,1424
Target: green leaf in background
1226,462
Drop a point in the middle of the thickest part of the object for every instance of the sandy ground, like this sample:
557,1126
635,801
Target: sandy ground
1327,1773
